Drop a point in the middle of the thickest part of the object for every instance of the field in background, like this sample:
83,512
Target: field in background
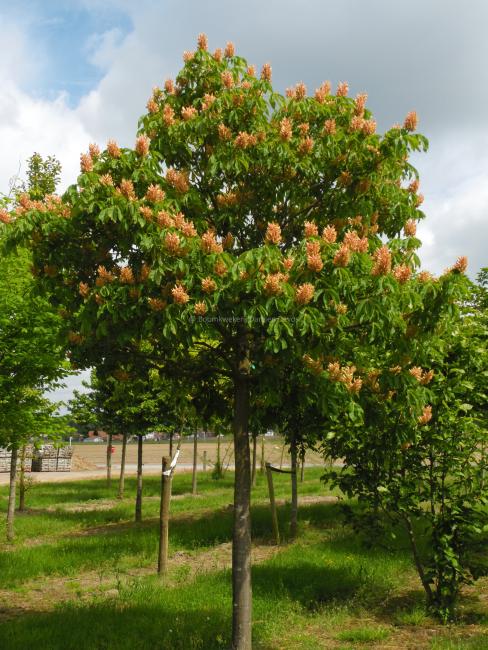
95,453
81,574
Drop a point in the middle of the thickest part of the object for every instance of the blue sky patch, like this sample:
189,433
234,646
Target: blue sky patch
66,35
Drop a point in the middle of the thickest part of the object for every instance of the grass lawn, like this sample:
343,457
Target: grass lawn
81,574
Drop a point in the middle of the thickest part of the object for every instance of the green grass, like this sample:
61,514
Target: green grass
325,590
364,635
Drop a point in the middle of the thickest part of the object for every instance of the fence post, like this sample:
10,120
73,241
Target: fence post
164,516
274,514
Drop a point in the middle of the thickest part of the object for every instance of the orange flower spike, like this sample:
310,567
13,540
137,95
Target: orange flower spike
142,145
200,309
179,294
410,228
229,51
285,129
208,285
342,256
461,264
202,42
310,229
402,273
154,193
426,415
266,72
113,149
304,293
382,261
86,163
329,234
411,121
273,234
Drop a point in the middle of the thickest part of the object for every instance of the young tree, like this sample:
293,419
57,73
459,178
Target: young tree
31,359
423,472
241,222
30,418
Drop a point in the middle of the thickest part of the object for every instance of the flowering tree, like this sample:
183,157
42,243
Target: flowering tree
415,455
244,223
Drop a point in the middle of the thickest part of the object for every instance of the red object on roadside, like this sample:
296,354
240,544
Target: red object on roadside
112,450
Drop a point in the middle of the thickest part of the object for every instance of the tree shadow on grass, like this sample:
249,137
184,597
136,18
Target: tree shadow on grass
107,625
109,545
314,586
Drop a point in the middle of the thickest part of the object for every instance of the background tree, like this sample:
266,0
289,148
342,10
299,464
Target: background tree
43,176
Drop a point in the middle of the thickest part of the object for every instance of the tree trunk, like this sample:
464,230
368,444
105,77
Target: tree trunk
139,479
302,466
294,489
241,542
109,460
195,463
22,480
254,454
122,467
418,561
11,495
263,463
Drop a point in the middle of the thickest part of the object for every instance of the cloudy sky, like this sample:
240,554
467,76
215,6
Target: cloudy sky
77,71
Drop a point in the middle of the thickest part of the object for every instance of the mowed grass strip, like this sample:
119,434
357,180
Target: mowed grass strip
325,590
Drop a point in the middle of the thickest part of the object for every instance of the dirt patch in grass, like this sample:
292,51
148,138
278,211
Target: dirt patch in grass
44,594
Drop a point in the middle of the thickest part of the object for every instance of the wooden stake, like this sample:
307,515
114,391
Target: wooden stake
164,516
274,513
204,460
21,507
122,467
195,463
109,460
254,458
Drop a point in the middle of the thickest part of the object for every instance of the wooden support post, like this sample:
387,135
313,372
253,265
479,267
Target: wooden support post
11,494
122,466
254,458
294,490
274,513
204,460
109,460
21,507
282,454
164,516
195,464
262,455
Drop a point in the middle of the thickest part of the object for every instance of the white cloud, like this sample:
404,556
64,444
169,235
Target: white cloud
454,179
29,123
48,127
20,59
102,48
